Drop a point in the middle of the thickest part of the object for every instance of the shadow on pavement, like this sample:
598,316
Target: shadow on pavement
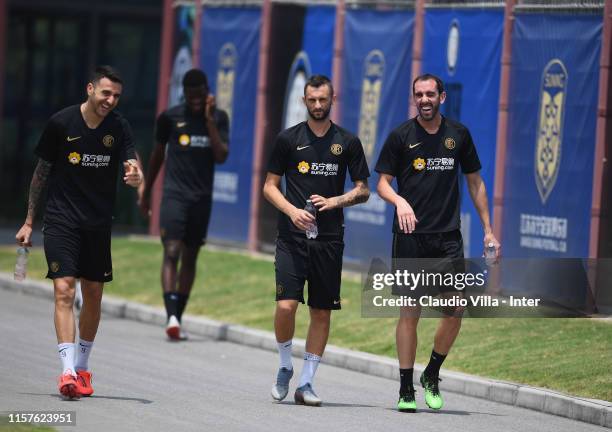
60,397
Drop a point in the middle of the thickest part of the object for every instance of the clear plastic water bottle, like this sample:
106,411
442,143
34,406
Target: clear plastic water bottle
21,265
312,231
489,254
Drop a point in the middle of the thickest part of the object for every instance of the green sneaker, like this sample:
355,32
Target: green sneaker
433,398
406,402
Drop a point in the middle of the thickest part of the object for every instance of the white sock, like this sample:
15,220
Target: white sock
284,349
311,362
82,358
66,353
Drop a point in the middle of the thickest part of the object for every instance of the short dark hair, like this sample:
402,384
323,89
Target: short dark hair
426,77
105,71
195,78
317,81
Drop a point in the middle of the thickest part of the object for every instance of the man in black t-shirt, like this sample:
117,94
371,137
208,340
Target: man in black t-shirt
191,137
424,155
314,157
80,152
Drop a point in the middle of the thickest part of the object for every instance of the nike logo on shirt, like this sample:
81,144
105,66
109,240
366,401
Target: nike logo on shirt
70,139
302,147
415,145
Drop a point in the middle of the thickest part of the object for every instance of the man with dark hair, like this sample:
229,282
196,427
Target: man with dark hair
423,153
79,152
191,137
426,77
105,72
317,81
314,157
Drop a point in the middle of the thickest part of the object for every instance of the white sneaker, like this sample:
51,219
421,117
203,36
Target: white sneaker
281,388
173,328
305,395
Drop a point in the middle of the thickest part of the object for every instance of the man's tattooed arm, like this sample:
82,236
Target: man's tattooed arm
359,194
38,183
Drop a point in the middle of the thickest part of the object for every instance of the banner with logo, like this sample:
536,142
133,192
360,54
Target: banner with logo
551,135
314,57
301,44
229,56
463,47
184,16
375,96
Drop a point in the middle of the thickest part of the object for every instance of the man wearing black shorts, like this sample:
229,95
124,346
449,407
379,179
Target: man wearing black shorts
191,137
423,154
314,157
80,152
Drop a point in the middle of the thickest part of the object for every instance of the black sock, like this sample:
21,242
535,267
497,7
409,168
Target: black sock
435,362
182,303
406,381
171,301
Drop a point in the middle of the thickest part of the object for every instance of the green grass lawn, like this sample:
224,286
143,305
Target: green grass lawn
24,428
568,355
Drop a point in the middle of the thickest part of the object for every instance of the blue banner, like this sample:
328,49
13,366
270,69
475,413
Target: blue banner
375,95
551,135
318,40
230,56
463,48
314,57
184,17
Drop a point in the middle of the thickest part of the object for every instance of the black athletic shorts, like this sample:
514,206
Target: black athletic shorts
184,220
317,261
429,252
79,253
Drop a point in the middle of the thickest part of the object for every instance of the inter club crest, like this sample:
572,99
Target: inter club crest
226,77
550,127
374,69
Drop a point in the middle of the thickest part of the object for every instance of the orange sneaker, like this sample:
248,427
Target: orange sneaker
83,380
67,386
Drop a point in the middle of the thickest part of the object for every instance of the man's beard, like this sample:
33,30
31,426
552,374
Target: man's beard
321,114
435,108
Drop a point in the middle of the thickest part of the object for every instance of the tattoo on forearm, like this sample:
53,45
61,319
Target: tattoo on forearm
356,196
38,183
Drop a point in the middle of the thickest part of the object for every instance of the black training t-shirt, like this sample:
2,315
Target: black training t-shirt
190,163
83,179
426,169
313,165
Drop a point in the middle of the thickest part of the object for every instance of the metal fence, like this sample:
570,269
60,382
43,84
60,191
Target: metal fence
225,3
575,6
384,5
457,4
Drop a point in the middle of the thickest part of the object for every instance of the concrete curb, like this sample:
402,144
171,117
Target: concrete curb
592,411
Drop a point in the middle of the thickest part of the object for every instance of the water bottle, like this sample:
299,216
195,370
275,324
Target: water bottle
311,231
489,254
21,264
